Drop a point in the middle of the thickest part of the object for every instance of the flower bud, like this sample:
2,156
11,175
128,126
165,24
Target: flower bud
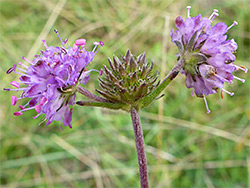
128,80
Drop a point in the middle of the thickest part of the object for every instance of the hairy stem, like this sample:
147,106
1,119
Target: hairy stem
173,73
141,155
109,105
90,95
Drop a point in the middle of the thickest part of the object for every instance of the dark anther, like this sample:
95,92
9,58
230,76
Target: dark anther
64,51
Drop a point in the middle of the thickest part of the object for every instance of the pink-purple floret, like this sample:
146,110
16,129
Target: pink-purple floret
211,42
50,78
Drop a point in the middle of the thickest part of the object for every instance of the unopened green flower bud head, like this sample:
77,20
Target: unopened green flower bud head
128,80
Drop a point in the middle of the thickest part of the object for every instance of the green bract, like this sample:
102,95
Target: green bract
128,80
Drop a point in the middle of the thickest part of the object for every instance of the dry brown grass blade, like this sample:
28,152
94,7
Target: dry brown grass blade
163,70
244,137
248,170
207,181
50,22
197,127
167,179
133,31
68,15
80,156
133,170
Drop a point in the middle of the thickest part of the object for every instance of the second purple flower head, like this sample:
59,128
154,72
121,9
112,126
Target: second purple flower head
208,55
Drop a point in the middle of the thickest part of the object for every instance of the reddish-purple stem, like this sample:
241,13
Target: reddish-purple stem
141,155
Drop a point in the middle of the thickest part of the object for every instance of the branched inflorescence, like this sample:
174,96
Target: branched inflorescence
52,79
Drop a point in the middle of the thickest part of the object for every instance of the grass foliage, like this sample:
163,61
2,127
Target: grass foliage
185,146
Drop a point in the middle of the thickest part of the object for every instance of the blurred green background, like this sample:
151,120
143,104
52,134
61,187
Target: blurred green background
185,146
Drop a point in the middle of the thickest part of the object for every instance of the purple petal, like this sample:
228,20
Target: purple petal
189,81
67,118
36,89
179,22
219,29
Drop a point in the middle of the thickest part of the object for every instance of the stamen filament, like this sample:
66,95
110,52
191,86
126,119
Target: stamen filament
208,111
60,126
237,78
66,42
37,115
214,12
21,74
235,23
21,69
8,89
25,59
44,43
188,11
98,49
23,106
241,68
22,65
24,82
221,78
227,92
215,15
94,48
26,109
59,37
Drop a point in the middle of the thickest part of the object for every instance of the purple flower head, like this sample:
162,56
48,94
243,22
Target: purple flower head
208,55
51,78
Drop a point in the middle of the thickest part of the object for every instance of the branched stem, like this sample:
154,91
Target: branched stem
90,95
109,105
173,73
141,155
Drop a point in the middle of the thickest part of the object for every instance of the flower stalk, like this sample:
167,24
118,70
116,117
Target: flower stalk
141,155
113,106
90,95
173,73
